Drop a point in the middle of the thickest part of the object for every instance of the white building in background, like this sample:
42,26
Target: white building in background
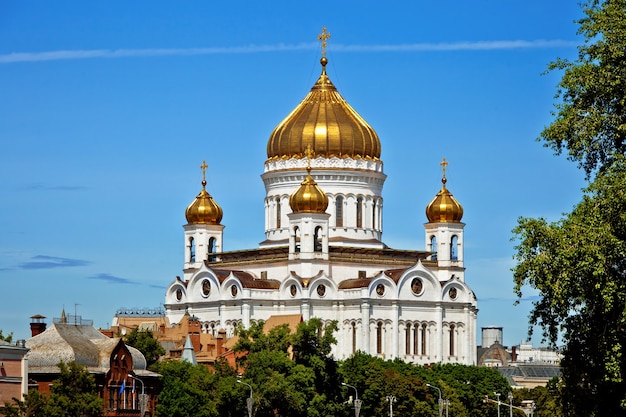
323,254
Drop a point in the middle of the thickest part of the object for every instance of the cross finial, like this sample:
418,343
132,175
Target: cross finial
203,167
310,153
444,165
324,36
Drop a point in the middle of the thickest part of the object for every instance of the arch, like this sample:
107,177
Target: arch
433,247
339,211
454,248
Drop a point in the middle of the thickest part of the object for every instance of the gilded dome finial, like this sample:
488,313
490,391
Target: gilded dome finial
444,166
203,167
444,207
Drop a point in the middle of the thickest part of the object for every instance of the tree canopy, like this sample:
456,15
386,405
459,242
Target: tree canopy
144,341
578,264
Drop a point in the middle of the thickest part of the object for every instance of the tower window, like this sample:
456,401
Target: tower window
359,212
211,249
424,339
296,233
373,214
433,248
278,213
339,211
192,250
379,338
353,337
317,240
454,248
407,343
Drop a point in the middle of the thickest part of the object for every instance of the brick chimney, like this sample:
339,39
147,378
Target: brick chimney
219,342
37,324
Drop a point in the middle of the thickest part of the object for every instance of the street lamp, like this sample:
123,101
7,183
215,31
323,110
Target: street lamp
143,398
441,402
249,400
391,399
357,402
497,394
510,404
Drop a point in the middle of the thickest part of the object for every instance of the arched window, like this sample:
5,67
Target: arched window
433,248
192,250
211,249
339,211
424,341
454,248
317,242
374,214
353,337
416,339
452,340
278,214
359,212
379,338
407,343
296,234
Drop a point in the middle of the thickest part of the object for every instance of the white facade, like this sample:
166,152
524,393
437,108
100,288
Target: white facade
408,304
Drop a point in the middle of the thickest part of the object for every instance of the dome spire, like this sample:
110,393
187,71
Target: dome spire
444,208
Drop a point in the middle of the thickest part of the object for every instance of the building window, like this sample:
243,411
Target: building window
416,339
353,337
339,211
374,214
317,240
296,235
452,340
454,248
192,250
278,214
433,248
379,338
407,343
359,212
424,341
211,249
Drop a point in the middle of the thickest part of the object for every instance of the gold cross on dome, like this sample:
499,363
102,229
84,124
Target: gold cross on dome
203,167
324,36
444,165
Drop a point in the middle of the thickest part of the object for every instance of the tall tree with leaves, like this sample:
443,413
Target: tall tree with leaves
578,264
146,343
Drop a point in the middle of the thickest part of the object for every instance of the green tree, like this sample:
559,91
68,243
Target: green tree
590,121
33,405
188,390
578,264
144,341
8,338
74,393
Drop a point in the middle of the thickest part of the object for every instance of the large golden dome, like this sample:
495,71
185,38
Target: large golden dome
308,198
325,121
204,210
444,207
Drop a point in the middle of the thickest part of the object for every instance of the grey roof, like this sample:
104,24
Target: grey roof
83,344
528,371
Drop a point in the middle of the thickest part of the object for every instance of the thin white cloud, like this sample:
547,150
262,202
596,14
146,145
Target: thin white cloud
17,57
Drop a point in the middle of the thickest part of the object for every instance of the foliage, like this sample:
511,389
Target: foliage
8,338
74,393
590,122
186,390
144,341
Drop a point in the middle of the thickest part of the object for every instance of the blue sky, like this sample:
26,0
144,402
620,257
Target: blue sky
109,108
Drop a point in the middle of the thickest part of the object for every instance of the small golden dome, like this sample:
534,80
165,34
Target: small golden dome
308,198
204,210
325,121
444,207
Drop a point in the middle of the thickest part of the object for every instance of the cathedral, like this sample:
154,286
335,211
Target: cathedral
323,254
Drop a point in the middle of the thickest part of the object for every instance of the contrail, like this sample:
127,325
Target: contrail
16,57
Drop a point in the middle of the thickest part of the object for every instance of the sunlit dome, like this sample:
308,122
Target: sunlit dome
203,210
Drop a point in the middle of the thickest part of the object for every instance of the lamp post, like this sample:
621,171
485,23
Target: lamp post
391,399
357,402
249,400
441,402
510,404
143,398
497,394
